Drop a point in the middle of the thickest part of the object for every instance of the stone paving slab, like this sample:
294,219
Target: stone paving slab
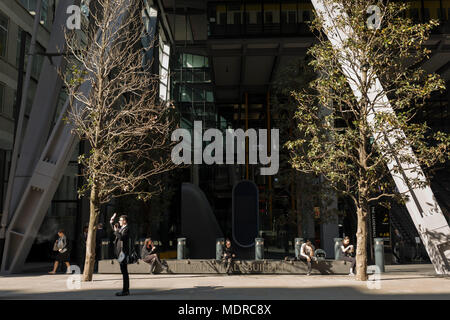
399,282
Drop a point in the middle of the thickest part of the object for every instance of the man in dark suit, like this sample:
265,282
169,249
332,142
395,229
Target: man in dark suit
121,248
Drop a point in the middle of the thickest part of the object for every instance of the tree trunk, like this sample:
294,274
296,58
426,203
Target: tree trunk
90,242
361,251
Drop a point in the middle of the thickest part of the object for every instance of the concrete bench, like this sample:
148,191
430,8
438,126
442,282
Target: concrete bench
211,266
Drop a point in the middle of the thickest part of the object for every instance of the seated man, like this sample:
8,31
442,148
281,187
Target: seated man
307,254
228,255
149,254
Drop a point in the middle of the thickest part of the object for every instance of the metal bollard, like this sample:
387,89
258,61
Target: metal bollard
297,246
219,248
379,253
259,248
337,248
105,250
141,245
181,248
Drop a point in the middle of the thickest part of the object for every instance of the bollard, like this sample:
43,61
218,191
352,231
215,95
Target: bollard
379,253
141,245
181,248
298,245
259,248
219,248
337,248
105,249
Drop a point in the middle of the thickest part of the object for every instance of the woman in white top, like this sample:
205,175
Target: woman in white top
346,250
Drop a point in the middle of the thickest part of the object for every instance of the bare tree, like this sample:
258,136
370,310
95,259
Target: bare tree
114,105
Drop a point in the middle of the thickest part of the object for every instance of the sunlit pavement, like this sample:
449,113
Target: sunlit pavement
398,282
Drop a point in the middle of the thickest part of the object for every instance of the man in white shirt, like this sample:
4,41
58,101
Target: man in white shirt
307,254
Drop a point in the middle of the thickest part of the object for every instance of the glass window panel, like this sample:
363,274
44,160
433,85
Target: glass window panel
199,76
209,96
237,17
254,13
198,61
187,75
2,97
186,94
223,18
199,94
3,34
426,14
283,17
268,17
292,17
306,15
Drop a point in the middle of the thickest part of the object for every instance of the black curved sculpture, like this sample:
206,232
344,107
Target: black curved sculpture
198,223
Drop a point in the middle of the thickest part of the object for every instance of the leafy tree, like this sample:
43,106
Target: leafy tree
338,140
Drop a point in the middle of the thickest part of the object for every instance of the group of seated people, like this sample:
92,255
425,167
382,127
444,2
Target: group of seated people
149,254
347,252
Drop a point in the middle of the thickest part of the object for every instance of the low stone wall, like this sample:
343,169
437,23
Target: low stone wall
210,266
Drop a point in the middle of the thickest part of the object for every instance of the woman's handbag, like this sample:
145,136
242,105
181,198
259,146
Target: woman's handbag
133,257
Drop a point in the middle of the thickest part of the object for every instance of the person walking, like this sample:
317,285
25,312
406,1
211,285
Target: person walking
347,251
122,250
149,254
307,254
61,247
228,256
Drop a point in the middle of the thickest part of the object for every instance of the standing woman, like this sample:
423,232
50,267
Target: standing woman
62,252
347,250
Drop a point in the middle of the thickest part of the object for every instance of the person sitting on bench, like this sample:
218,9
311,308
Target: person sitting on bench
307,254
228,256
149,254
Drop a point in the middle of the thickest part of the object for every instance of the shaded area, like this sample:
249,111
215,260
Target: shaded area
218,292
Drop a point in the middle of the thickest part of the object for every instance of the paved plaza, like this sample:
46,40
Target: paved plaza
398,282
